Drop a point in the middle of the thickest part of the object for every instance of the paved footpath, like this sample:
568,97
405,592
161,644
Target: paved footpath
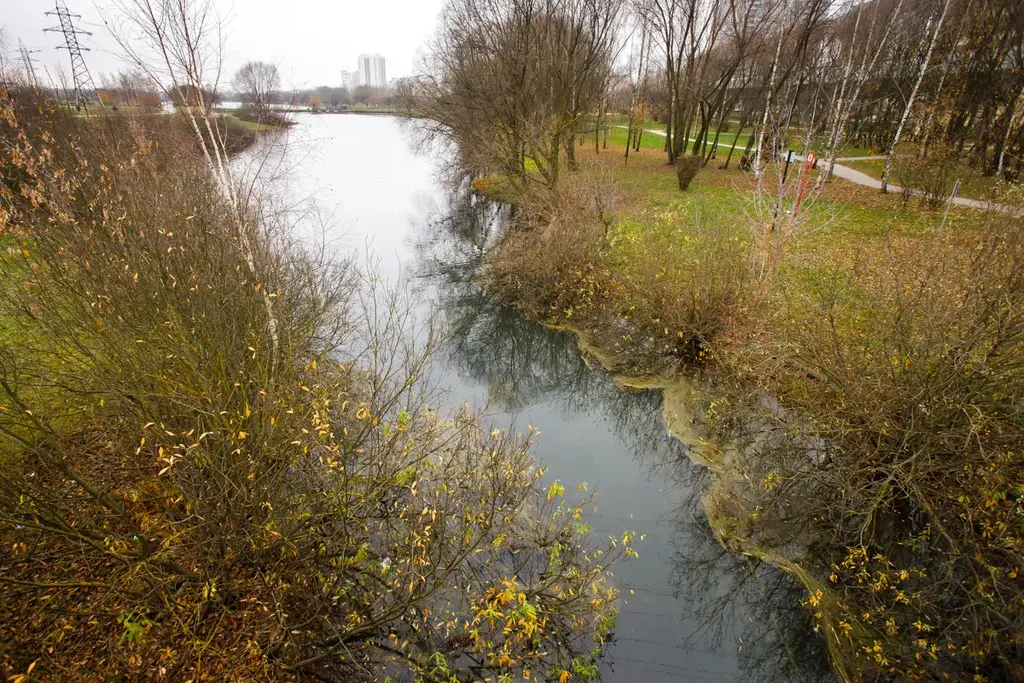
854,176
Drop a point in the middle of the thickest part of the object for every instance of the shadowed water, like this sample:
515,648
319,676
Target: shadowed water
690,610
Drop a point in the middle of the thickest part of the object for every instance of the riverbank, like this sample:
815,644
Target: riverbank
241,132
739,521
862,352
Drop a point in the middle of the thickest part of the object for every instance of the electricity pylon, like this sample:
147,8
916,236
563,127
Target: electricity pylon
79,71
27,62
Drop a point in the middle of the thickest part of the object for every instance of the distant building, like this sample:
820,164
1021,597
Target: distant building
350,80
372,72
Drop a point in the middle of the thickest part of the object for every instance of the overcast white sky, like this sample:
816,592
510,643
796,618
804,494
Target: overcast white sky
311,40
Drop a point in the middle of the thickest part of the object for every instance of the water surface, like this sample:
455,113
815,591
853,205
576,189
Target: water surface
690,610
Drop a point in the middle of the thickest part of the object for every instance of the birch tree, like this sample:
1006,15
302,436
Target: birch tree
179,45
913,93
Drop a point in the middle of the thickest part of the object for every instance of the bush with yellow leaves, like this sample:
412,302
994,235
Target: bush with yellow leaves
196,483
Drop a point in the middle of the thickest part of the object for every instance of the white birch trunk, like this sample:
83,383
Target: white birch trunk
913,94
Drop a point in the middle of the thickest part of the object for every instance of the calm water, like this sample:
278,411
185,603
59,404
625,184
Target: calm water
691,611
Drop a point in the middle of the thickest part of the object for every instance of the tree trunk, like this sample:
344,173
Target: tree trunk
669,123
733,148
767,106
1001,164
938,90
913,95
837,126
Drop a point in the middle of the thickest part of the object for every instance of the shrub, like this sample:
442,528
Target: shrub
746,164
900,451
932,179
267,117
548,259
182,483
480,185
687,167
681,282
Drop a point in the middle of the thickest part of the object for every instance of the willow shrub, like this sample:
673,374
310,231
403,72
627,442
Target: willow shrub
549,257
185,494
681,282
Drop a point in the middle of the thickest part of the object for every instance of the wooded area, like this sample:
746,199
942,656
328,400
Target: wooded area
945,76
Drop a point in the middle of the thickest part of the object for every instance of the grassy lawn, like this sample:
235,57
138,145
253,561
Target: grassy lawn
973,185
842,219
852,151
650,140
617,138
251,126
843,210
648,185
233,120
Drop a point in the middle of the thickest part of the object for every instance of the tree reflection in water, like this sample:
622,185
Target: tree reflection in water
728,603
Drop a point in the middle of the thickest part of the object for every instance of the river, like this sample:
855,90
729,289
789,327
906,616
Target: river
690,610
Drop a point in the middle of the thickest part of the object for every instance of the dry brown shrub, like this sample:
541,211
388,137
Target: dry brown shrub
548,261
686,170
931,179
899,370
681,285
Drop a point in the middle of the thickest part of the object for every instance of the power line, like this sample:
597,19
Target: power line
79,71
28,63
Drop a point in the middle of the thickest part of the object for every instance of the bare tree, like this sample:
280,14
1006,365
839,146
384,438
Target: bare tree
5,60
178,45
843,108
512,80
669,21
257,84
640,61
1011,118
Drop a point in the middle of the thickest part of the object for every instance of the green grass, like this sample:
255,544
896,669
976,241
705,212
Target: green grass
233,120
648,140
852,151
617,137
842,215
